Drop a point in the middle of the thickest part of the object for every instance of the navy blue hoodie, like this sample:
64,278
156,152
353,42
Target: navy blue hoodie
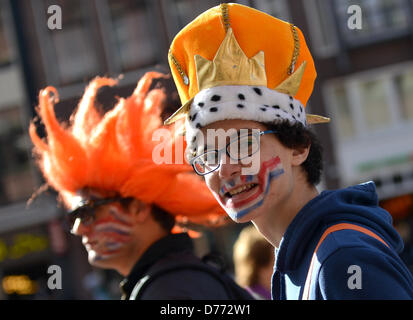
380,272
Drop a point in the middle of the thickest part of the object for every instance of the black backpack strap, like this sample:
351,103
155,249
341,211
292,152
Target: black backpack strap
233,291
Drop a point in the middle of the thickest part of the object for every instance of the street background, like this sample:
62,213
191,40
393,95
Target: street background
364,84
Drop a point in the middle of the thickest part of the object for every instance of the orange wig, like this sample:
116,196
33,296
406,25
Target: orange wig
113,152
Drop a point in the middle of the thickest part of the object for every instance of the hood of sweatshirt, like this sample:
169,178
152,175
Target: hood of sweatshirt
357,204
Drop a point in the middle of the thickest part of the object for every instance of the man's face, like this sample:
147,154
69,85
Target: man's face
245,196
109,237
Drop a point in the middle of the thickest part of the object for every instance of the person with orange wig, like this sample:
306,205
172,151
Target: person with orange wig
121,202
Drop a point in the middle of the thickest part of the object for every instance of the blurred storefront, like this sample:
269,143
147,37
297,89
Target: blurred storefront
366,87
24,241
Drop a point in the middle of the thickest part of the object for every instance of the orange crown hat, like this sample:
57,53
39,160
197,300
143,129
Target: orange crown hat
235,62
113,152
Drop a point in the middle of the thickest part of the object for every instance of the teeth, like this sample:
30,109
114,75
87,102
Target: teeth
241,189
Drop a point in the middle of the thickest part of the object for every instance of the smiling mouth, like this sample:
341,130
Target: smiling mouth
240,190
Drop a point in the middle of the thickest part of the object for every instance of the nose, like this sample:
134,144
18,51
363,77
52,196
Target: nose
79,229
228,167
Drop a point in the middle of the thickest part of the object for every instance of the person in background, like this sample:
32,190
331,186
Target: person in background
253,262
122,204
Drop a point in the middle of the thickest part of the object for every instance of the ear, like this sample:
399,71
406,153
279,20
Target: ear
299,155
141,211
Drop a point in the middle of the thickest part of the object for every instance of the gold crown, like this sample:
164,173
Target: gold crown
231,66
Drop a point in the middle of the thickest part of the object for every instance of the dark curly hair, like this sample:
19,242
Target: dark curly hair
295,135
164,218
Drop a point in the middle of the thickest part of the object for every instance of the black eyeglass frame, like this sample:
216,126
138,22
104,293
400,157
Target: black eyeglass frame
219,152
86,209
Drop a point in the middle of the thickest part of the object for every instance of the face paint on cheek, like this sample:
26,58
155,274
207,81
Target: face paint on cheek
269,171
120,215
112,233
106,250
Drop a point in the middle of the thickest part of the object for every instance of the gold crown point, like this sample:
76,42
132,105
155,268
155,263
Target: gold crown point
314,119
291,85
230,66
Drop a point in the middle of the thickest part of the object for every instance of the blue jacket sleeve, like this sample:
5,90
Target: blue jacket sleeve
363,273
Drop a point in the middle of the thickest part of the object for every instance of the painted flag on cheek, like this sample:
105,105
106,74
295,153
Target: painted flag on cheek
240,205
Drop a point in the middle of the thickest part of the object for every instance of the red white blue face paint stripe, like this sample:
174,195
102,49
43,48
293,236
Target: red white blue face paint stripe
239,206
111,234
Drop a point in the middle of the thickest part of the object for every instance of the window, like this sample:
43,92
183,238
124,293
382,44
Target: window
16,179
76,56
134,37
322,27
380,19
70,54
374,104
372,126
345,124
275,8
404,84
5,48
377,101
184,11
178,13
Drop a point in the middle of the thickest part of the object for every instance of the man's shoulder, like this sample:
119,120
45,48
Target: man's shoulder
177,259
185,283
351,264
350,240
181,276
364,273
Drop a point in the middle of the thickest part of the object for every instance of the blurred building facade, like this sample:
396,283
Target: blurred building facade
365,84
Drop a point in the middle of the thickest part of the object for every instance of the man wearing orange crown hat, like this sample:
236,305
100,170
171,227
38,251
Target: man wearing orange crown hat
244,79
121,203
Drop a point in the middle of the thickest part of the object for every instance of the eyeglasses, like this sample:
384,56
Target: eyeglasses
87,208
237,149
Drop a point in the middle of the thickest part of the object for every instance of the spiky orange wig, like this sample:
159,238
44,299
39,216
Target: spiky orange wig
113,152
